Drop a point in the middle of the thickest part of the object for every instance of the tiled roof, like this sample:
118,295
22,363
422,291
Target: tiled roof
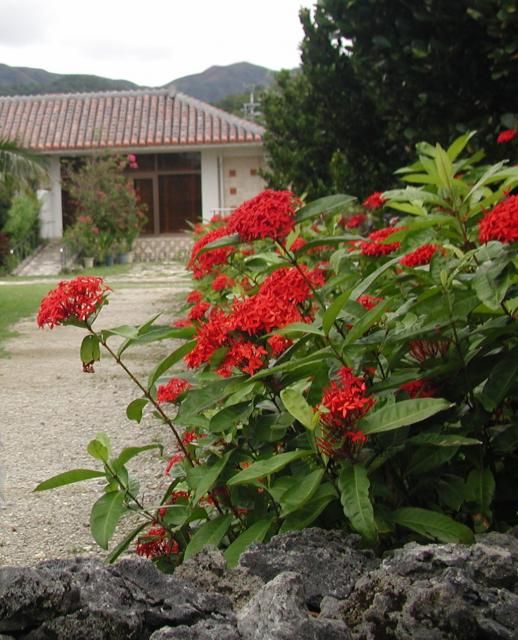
119,119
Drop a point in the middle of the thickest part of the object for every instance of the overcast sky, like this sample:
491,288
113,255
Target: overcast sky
149,42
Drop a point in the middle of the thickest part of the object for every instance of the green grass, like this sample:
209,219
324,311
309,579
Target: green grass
18,301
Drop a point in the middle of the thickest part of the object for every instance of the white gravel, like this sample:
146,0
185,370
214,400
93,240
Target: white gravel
50,410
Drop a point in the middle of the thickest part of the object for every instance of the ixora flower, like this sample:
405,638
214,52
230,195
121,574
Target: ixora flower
374,201
172,390
344,403
368,302
156,544
422,388
270,214
507,135
202,265
375,246
501,223
422,255
352,222
72,300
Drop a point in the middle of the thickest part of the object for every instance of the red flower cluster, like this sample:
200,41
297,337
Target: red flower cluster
501,223
375,246
297,244
75,299
422,255
199,310
278,344
169,392
203,264
374,201
222,281
194,297
369,302
156,544
352,222
422,350
246,356
269,214
507,135
422,388
346,402
211,336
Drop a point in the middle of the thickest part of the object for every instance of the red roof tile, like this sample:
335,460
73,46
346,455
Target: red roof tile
155,117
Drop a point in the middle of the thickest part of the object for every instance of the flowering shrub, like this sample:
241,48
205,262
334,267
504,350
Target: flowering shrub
342,366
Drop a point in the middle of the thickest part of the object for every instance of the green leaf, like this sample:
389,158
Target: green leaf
458,145
90,349
206,396
298,407
266,467
443,440
299,327
354,486
69,477
433,525
255,533
226,241
124,331
124,543
301,492
365,284
414,208
333,310
444,167
328,204
98,450
130,452
230,416
203,477
425,459
401,414
500,380
309,512
135,409
212,532
480,488
105,515
169,361
366,322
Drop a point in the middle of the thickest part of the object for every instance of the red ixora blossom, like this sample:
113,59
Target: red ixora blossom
369,302
278,344
169,392
374,201
375,246
222,281
422,388
501,223
507,135
199,310
246,356
203,264
422,350
156,544
297,244
346,402
352,222
193,297
422,255
270,214
75,299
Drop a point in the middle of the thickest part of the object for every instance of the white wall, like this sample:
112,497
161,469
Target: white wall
51,216
210,182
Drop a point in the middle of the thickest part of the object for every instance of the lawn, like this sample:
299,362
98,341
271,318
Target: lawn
18,301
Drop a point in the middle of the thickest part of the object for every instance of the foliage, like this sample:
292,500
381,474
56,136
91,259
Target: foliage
359,371
19,168
379,76
22,222
108,209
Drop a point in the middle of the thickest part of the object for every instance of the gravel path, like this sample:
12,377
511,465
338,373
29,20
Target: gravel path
50,410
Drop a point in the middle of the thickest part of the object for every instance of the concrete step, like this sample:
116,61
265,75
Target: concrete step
47,260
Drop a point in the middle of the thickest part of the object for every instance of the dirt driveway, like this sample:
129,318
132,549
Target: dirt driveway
50,410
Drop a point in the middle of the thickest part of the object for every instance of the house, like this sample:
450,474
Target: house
192,158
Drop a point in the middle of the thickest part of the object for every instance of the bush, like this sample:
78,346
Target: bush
349,366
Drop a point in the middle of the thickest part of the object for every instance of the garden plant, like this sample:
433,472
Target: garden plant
343,365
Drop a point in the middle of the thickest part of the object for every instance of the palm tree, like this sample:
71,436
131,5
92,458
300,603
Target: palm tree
19,167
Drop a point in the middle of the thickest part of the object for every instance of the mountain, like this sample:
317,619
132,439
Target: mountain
216,83
25,80
212,85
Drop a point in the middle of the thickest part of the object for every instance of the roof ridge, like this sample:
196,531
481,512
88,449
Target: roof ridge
217,110
107,92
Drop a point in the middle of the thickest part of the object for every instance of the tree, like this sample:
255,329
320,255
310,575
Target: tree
385,74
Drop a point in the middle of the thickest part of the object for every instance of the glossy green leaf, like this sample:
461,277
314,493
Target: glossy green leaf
130,452
297,405
500,380
444,440
369,319
255,533
202,478
301,492
433,525
98,450
425,459
333,310
169,361
206,396
135,409
226,241
69,477
328,204
458,145
230,416
444,167
90,349
299,327
125,543
309,512
480,488
354,486
366,283
266,467
401,414
212,532
105,515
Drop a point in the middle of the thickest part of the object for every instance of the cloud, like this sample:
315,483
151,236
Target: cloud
24,22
